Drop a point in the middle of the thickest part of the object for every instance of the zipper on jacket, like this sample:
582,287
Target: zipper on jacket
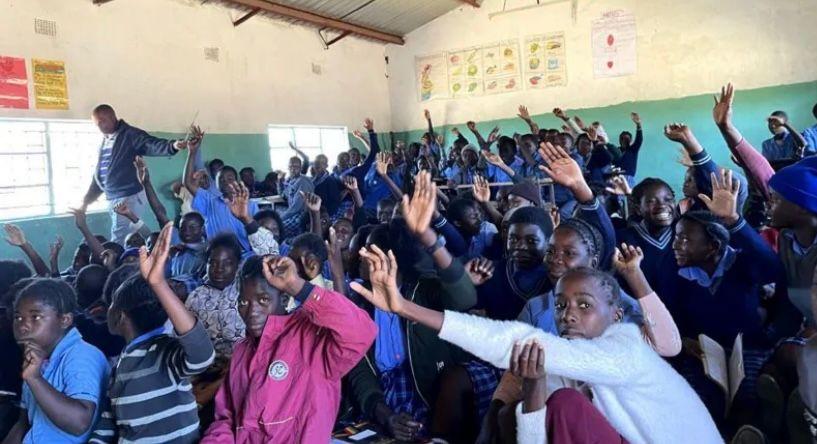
408,345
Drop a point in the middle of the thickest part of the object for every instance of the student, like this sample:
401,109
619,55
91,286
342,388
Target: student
284,378
786,142
213,207
327,186
385,210
187,256
478,233
635,394
383,181
628,162
91,314
63,376
263,230
81,258
294,188
357,169
214,303
149,394
468,171
13,275
309,253
247,177
810,135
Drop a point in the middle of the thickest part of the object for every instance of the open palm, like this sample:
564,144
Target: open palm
383,276
724,200
152,264
560,166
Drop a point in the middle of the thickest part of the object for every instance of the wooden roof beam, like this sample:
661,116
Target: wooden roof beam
319,20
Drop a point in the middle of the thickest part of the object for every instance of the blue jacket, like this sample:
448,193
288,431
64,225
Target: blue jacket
130,142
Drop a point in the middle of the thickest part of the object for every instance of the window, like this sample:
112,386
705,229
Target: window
312,140
48,166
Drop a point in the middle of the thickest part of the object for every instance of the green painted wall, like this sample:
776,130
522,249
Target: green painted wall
657,156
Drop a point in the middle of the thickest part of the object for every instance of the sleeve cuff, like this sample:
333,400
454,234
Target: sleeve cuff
737,226
439,223
252,228
700,158
590,206
531,425
304,293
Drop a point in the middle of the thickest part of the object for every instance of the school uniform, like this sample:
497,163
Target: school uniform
218,218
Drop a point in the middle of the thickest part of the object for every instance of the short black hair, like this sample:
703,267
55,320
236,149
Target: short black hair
228,241
506,142
115,279
7,298
569,136
780,113
354,149
270,214
590,236
535,216
641,188
253,268
111,245
90,283
227,168
194,215
101,238
55,293
312,243
217,161
136,299
457,206
380,235
249,169
104,109
814,110
712,225
11,272
386,201
606,281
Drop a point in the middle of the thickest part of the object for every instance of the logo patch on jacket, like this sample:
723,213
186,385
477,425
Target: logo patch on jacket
278,370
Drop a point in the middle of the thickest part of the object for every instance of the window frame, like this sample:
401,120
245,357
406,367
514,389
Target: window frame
50,168
344,129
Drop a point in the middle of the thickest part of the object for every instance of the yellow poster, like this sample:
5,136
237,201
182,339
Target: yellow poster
50,84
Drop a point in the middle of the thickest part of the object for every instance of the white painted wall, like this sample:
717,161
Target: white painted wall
685,48
146,58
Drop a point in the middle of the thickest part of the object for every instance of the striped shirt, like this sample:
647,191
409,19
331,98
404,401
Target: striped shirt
105,158
150,398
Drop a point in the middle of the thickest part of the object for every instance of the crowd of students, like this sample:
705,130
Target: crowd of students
439,291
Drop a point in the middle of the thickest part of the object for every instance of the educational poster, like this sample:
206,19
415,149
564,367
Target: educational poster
502,71
50,84
544,61
614,44
465,72
432,77
13,83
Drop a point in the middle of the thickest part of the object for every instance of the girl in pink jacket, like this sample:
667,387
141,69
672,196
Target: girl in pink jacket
284,381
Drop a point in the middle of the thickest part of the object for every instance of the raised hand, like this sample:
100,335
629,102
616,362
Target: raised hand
678,132
368,123
559,113
683,158
350,183
482,192
79,217
724,201
239,201
384,294
427,114
124,210
382,163
417,212
493,135
523,113
580,122
282,273
493,158
636,118
528,361
555,216
627,259
312,201
619,186
560,166
152,264
15,235
722,112
775,121
592,133
55,248
471,125
479,270
358,134
142,174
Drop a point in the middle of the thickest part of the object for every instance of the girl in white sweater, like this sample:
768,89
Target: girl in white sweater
598,381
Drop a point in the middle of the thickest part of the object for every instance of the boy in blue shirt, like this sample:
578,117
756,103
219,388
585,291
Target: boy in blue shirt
63,376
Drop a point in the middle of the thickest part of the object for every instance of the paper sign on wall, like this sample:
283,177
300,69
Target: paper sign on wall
432,77
50,84
13,83
544,61
502,73
614,44
465,72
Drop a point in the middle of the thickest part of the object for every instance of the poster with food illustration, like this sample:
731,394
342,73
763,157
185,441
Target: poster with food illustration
465,72
432,77
502,70
544,62
613,38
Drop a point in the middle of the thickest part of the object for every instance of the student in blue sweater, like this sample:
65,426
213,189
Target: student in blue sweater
628,161
722,265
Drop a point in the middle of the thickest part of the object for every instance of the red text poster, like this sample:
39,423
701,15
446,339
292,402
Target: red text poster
13,83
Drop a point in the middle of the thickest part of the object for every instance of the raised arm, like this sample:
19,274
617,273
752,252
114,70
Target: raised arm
348,330
148,145
16,237
702,164
156,206
54,256
482,194
525,115
303,156
374,144
799,140
90,239
262,241
573,124
188,179
481,140
313,203
639,134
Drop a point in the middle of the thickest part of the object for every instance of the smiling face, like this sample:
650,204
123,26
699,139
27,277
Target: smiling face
583,307
567,251
692,246
39,323
526,245
257,301
343,233
657,206
221,267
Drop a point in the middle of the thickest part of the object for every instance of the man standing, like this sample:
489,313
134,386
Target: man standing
115,174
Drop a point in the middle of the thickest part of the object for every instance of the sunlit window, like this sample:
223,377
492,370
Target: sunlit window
312,140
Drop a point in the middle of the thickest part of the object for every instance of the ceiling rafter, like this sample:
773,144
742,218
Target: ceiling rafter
314,19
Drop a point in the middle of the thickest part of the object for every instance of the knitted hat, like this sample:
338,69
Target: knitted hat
527,190
798,184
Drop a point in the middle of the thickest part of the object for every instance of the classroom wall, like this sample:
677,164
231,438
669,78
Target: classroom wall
684,49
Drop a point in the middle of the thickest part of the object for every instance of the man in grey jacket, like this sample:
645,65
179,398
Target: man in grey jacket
115,172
